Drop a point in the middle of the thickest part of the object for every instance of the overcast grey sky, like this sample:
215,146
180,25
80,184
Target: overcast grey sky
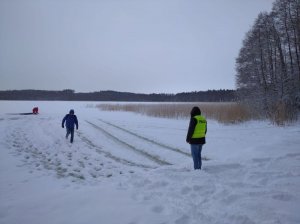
145,46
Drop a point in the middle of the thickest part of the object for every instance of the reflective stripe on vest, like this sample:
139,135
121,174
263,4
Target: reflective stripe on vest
200,128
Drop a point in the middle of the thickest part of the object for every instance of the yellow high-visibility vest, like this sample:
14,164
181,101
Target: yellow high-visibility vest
200,128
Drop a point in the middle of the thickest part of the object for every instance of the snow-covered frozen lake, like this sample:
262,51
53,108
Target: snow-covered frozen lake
133,169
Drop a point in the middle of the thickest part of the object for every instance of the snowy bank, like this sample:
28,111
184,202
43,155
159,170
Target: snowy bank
129,168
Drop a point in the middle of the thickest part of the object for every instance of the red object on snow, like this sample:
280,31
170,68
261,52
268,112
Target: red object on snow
35,110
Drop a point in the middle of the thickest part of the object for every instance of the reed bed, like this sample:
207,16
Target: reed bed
222,112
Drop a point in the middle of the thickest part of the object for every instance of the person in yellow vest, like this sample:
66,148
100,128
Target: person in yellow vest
196,136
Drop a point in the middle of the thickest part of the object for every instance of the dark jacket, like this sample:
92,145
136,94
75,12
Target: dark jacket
71,121
195,111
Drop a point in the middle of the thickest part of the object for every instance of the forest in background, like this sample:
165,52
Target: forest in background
267,72
71,95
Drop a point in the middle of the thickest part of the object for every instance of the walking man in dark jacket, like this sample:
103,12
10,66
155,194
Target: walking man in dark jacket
196,136
71,121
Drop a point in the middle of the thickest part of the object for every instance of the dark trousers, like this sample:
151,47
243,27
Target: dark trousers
196,154
70,131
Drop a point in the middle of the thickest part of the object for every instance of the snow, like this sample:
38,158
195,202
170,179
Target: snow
118,169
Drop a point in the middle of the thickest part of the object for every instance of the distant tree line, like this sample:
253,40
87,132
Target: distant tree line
268,65
70,95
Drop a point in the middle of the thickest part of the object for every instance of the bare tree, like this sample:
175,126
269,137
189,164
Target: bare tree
268,66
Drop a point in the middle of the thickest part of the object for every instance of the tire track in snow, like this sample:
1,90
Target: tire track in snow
151,157
108,154
164,146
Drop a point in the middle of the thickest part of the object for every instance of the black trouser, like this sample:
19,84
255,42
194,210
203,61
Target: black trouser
70,131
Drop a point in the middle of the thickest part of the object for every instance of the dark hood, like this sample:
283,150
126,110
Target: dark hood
195,111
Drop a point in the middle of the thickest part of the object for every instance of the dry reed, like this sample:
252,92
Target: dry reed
222,112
